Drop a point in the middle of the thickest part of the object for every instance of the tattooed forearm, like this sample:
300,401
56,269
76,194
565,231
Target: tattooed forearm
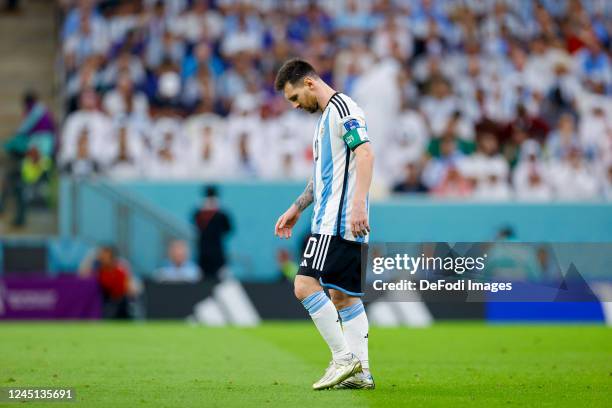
306,198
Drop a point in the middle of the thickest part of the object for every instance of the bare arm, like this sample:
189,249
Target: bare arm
364,157
306,198
285,222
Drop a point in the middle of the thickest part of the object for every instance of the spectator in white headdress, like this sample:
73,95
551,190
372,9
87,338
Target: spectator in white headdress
530,177
88,117
125,100
572,178
126,153
212,156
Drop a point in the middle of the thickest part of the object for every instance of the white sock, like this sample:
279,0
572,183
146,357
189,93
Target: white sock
325,317
355,325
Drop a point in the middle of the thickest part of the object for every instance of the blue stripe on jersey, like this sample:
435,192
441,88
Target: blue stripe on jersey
314,176
344,195
327,171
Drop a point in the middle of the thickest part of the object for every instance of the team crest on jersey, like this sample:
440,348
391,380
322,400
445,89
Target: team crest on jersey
351,124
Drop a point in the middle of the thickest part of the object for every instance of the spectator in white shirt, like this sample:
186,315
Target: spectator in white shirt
167,163
247,161
494,185
124,21
246,37
124,100
89,117
563,138
83,165
572,178
127,153
407,143
125,62
168,48
89,76
439,105
212,155
592,61
169,127
487,167
178,267
391,32
90,39
436,169
539,68
530,177
199,89
200,21
595,134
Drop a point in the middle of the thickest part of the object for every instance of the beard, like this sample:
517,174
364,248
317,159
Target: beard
312,108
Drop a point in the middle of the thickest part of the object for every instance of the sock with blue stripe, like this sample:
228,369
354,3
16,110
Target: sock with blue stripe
355,325
325,317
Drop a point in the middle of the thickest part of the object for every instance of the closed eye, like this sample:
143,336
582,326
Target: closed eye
293,98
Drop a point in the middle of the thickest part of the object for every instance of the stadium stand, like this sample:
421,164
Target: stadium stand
183,89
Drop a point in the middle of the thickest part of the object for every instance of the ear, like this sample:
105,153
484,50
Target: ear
309,83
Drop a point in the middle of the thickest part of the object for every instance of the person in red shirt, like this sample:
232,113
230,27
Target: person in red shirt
113,277
115,280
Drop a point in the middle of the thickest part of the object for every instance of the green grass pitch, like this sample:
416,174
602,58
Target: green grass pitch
176,365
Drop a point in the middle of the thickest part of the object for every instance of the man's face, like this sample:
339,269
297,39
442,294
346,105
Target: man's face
178,253
105,257
88,100
447,147
301,95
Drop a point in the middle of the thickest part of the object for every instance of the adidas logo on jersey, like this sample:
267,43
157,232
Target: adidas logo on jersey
304,263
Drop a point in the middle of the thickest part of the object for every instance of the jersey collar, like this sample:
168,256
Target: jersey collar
327,104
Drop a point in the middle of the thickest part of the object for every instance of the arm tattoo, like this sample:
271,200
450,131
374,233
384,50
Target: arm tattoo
306,198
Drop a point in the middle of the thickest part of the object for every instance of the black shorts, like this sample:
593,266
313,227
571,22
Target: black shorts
334,261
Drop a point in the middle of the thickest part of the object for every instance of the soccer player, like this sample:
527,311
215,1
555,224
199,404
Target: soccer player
343,162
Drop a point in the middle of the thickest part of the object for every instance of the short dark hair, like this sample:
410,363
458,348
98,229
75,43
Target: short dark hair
292,71
211,191
111,249
30,97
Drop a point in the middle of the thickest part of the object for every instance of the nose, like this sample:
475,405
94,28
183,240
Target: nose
296,105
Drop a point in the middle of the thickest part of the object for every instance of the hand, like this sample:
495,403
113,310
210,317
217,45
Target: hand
359,219
285,222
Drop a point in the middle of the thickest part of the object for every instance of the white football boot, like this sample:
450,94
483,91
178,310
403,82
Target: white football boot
338,371
358,381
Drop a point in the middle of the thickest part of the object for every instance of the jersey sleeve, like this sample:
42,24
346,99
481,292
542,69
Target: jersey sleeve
354,131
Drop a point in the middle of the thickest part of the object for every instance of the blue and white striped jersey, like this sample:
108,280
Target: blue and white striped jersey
340,130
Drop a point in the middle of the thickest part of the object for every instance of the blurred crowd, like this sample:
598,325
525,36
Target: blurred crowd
471,98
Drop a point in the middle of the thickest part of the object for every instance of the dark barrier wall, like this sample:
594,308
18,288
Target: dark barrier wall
274,301
177,300
173,300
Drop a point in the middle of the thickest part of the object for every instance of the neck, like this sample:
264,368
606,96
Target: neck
324,95
211,203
